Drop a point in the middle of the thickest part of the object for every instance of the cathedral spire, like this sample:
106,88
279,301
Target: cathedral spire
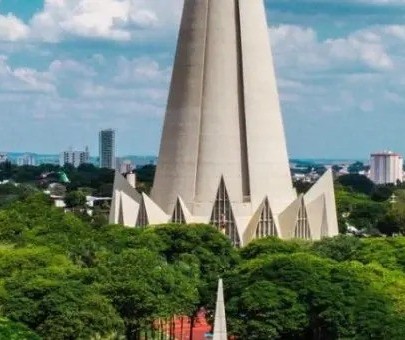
223,122
220,332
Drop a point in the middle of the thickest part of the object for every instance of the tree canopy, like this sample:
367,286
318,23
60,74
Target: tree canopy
317,291
62,277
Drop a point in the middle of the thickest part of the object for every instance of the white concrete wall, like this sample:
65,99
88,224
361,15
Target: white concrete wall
223,116
268,159
220,131
177,164
386,167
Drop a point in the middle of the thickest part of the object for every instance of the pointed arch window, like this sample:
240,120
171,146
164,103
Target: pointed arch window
222,215
178,214
302,229
266,226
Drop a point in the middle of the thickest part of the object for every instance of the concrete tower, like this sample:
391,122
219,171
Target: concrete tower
107,148
223,157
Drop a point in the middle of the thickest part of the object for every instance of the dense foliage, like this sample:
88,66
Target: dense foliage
66,279
333,289
62,277
11,192
14,331
372,209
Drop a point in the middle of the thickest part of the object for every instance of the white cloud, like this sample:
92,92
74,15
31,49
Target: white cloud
69,88
341,77
23,79
59,68
141,71
12,28
352,86
301,47
118,20
397,31
85,18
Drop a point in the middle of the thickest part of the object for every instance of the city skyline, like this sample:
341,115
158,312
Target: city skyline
73,70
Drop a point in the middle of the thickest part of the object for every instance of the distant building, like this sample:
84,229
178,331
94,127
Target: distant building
26,160
75,158
118,163
386,167
47,159
126,166
107,149
3,157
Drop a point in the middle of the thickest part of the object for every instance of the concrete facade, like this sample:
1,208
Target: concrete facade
107,149
223,157
386,167
75,158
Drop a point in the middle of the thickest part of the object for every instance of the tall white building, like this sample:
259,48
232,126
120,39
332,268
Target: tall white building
223,157
107,149
386,167
27,159
75,158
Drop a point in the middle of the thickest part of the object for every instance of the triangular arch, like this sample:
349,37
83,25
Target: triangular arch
178,213
222,215
302,228
266,225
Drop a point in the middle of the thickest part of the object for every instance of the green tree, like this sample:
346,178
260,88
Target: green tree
145,176
201,246
358,210
75,199
341,300
143,288
273,245
393,221
357,183
13,331
367,215
356,167
52,296
67,277
267,311
382,193
340,248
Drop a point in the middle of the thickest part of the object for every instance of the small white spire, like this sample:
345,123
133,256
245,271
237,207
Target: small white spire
220,332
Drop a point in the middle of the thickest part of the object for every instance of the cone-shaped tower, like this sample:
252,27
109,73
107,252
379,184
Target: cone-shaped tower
223,117
223,153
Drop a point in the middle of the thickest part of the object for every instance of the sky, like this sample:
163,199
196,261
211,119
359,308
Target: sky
69,68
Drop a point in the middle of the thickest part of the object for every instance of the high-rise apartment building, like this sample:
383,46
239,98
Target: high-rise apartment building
107,149
75,158
27,159
386,167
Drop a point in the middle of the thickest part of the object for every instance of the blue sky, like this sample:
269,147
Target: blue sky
71,67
